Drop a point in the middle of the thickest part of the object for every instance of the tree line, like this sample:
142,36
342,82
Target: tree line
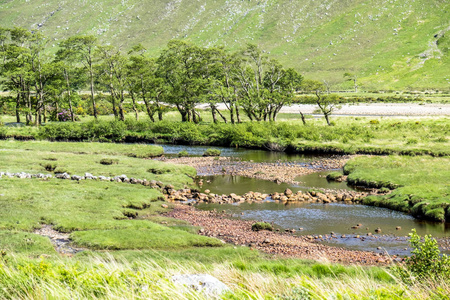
184,75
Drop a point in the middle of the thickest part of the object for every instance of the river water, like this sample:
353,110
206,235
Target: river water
313,218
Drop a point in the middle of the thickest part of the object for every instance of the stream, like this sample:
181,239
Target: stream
313,218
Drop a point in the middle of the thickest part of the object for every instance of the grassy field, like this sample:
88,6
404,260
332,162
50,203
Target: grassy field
396,45
421,183
134,258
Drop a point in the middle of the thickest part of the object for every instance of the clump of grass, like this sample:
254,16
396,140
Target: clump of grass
183,153
335,176
109,161
258,226
49,166
212,152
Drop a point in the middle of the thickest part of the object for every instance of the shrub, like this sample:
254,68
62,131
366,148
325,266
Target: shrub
426,261
212,152
262,226
109,161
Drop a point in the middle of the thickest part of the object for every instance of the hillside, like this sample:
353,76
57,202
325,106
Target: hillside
388,44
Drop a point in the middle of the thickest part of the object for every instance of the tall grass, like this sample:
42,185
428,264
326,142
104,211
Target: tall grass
109,278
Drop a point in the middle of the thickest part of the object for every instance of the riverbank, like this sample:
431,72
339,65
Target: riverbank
278,171
239,232
357,135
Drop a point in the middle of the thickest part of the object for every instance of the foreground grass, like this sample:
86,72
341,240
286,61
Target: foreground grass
421,183
107,277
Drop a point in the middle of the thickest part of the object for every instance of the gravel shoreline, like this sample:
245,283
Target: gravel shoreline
239,233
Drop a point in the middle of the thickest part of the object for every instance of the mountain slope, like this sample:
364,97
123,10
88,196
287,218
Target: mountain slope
388,44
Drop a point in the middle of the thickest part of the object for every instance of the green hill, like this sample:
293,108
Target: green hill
388,44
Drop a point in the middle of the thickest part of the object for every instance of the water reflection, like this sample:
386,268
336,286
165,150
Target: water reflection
322,219
227,184
244,154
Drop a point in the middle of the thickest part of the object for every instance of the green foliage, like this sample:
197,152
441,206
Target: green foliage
262,226
426,261
212,152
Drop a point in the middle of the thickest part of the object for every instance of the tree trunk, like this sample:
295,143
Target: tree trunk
134,106
213,112
303,118
222,116
17,108
94,107
327,118
121,113
232,113
72,116
238,115
149,110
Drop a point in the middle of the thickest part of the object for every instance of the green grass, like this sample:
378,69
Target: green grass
376,135
24,243
79,158
387,45
422,183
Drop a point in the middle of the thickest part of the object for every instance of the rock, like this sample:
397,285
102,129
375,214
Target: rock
398,228
378,230
76,177
164,205
88,176
288,192
207,191
204,283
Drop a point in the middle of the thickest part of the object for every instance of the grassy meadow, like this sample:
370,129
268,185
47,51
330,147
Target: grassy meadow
401,45
369,135
421,184
131,250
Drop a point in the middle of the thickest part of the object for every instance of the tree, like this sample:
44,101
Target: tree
115,76
327,103
225,86
352,77
144,82
281,85
184,69
83,48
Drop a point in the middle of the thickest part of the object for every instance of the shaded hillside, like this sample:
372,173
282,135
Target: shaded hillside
396,44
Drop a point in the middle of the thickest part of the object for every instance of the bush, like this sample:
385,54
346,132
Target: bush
426,261
262,226
212,152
